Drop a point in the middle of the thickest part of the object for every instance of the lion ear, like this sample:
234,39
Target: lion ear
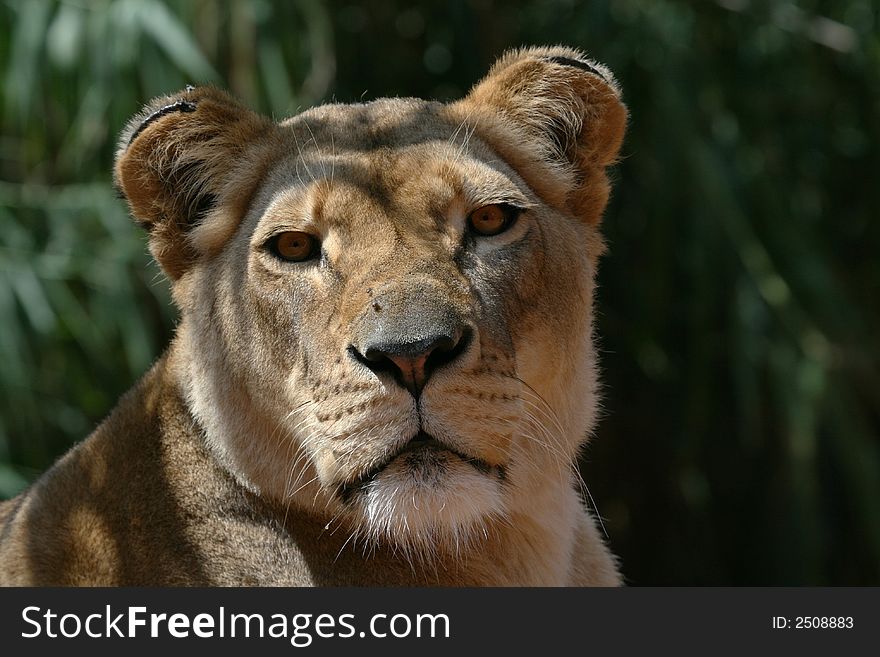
188,165
564,108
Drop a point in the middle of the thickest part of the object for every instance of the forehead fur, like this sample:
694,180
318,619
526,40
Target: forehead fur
389,154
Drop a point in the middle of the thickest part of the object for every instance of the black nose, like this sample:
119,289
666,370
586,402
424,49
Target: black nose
413,361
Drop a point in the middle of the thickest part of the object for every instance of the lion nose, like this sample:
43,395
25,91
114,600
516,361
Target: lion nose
409,332
412,363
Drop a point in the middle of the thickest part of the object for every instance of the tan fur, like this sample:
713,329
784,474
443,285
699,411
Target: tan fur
256,450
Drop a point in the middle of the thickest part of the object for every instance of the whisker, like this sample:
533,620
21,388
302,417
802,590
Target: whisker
551,414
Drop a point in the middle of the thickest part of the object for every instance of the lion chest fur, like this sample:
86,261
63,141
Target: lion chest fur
384,370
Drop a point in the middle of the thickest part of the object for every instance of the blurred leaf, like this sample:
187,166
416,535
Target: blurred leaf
156,20
27,43
11,483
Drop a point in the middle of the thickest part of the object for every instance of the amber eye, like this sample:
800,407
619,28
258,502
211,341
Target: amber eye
294,246
493,219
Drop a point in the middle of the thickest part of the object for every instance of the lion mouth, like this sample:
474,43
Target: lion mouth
423,453
421,441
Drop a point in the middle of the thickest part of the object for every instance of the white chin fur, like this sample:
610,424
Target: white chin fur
426,510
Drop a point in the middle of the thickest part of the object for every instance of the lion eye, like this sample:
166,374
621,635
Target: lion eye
492,219
294,246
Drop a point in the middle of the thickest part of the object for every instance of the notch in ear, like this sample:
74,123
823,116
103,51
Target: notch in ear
556,109
188,165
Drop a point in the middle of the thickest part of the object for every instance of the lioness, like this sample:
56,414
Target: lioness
384,367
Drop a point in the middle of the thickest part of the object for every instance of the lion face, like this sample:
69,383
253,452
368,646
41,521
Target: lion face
387,307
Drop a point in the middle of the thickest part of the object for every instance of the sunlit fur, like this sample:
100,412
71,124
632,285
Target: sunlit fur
262,355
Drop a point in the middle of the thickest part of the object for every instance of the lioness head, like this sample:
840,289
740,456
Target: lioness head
386,307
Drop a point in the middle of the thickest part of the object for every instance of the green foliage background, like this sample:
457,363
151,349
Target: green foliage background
739,313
